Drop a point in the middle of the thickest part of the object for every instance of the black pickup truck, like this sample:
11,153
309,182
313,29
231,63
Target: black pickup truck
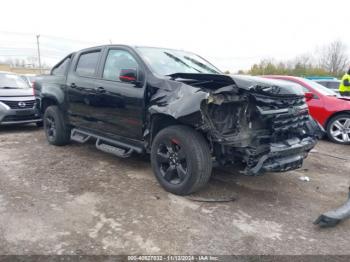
180,109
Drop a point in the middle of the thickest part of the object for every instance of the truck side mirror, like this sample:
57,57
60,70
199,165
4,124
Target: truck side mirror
128,75
309,96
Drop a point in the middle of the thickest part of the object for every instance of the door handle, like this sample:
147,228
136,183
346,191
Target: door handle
73,85
100,89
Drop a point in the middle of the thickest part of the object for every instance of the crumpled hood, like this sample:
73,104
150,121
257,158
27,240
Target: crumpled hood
183,93
249,83
268,86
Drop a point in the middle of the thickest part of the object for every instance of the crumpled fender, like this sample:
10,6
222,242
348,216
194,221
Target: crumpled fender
334,217
178,100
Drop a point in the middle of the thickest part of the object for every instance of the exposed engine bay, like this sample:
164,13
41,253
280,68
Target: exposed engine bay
253,123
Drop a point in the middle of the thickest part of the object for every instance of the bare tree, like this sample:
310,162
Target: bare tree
334,58
305,60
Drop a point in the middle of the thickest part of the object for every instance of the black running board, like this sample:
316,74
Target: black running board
111,146
79,136
117,151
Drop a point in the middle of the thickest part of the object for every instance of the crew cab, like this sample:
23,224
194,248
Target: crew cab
180,109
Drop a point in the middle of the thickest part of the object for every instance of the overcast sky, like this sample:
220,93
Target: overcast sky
232,34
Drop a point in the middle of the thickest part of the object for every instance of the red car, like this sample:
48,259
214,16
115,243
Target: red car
330,110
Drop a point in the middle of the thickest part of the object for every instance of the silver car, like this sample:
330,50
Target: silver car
17,101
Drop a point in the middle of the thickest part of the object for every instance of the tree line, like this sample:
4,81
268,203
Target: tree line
330,60
29,62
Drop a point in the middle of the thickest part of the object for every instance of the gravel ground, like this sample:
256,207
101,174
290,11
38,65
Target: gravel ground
78,200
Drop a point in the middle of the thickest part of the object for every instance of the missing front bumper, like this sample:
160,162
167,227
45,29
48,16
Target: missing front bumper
284,156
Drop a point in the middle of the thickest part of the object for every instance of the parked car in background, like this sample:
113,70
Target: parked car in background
30,78
17,102
329,82
178,107
329,109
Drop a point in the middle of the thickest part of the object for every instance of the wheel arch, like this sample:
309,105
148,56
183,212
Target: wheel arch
160,121
336,114
46,102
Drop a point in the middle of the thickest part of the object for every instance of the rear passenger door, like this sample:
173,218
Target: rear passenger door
81,88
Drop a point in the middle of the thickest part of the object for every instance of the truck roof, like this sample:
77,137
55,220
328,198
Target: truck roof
129,46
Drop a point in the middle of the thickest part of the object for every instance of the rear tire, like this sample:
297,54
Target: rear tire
56,130
181,160
338,129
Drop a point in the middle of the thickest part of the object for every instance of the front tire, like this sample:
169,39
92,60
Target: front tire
338,129
56,130
181,160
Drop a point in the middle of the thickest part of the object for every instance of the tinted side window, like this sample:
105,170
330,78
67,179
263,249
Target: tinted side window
116,61
61,69
87,64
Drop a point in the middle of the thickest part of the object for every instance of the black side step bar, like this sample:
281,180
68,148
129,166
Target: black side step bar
121,152
79,136
118,148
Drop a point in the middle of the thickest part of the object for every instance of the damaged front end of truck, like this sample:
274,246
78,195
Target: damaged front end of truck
254,124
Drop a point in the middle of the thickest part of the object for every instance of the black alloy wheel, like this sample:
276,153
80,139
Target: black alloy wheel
171,161
50,127
181,159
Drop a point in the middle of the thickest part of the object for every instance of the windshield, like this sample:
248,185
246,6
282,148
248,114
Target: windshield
12,81
320,88
168,62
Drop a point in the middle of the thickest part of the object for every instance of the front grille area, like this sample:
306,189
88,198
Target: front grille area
20,104
286,117
289,122
19,118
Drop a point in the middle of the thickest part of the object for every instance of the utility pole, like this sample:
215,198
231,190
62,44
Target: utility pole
39,58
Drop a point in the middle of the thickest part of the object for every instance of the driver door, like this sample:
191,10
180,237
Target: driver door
121,103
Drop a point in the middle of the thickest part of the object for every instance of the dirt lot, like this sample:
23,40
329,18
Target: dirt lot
77,200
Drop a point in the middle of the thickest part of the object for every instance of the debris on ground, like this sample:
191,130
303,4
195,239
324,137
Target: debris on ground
210,199
332,218
304,178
